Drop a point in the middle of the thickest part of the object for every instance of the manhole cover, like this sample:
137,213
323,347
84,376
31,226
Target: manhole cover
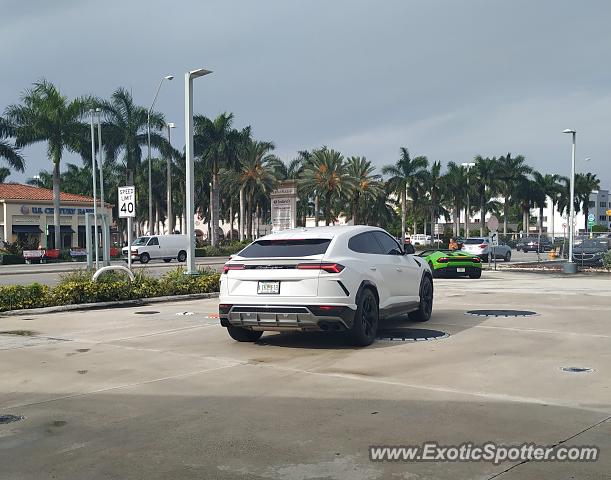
10,418
410,335
576,369
146,312
501,313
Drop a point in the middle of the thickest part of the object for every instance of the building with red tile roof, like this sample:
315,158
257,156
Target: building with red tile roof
26,214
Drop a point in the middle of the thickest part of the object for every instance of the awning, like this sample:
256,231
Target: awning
26,229
62,229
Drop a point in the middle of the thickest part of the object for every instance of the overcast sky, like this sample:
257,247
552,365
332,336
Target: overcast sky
448,79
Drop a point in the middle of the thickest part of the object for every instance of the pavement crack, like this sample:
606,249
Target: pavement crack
604,420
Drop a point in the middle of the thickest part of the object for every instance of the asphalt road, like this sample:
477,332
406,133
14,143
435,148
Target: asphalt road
49,273
152,393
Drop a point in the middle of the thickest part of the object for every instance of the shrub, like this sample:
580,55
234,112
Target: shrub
16,297
607,260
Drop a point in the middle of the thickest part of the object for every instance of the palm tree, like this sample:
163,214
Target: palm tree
218,143
528,194
455,186
326,176
45,115
367,189
4,174
585,183
9,153
511,173
485,182
405,174
44,179
547,186
434,186
125,129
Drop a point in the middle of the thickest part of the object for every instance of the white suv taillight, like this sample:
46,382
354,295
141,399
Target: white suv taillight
327,267
232,266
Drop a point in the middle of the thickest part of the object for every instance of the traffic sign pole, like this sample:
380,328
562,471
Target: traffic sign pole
129,242
127,209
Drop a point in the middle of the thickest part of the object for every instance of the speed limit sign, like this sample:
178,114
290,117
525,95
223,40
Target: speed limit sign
127,202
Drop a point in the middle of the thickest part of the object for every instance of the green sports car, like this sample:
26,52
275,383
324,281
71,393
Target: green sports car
452,263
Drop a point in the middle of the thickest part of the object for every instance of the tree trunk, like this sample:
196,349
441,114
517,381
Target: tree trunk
456,220
327,209
215,208
170,213
316,210
56,206
505,214
241,216
249,217
552,220
355,208
540,221
433,220
403,214
230,221
482,217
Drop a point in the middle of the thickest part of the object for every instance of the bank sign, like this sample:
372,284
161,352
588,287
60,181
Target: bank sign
50,210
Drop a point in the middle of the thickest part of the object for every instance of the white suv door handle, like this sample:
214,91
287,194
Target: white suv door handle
398,269
372,268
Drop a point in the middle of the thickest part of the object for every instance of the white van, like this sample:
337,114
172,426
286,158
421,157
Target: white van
159,246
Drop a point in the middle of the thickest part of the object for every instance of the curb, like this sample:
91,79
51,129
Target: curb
549,271
105,305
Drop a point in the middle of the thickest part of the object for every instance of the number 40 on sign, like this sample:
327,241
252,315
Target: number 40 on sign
127,202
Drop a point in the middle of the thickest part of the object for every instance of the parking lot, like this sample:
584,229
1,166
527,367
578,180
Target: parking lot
162,392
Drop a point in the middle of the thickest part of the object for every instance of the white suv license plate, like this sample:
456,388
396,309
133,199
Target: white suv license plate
268,288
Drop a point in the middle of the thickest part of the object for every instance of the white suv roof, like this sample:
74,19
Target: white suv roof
318,232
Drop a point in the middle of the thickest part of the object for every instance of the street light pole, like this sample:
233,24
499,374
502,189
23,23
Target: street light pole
572,204
189,170
468,166
148,134
170,126
95,208
105,239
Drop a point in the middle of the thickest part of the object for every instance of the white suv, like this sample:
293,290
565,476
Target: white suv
342,278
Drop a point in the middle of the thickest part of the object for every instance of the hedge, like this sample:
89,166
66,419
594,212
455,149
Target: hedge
220,251
78,287
11,259
607,260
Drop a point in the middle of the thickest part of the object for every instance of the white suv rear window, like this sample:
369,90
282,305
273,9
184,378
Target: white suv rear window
286,248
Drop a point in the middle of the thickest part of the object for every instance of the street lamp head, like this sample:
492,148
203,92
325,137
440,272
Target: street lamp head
169,77
171,125
200,72
569,130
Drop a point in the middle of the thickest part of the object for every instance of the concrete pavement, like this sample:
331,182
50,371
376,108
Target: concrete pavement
152,393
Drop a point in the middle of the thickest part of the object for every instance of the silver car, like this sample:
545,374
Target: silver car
483,249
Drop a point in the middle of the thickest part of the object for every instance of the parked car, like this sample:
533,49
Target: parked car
591,251
341,278
483,248
453,263
158,246
534,244
421,239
